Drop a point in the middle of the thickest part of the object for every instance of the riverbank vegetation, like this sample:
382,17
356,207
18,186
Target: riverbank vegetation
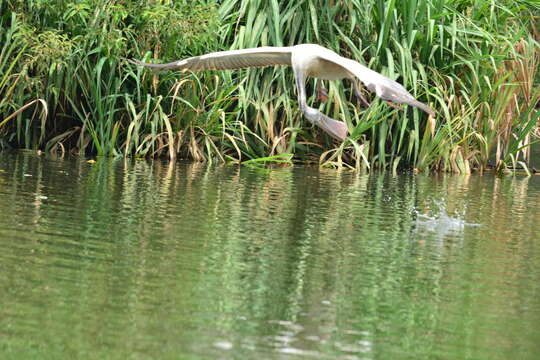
66,85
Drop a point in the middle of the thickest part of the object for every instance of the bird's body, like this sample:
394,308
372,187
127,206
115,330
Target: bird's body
307,60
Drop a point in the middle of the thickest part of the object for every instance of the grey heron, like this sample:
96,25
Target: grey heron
307,61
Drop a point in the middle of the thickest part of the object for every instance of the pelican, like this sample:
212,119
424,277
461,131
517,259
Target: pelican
307,61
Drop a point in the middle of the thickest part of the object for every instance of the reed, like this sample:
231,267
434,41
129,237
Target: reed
65,84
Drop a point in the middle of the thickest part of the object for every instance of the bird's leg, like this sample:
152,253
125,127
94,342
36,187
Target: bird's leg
394,105
337,129
358,94
322,94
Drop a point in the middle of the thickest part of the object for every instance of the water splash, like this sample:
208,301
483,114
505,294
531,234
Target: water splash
438,221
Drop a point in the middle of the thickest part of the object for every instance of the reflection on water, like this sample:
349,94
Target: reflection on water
133,259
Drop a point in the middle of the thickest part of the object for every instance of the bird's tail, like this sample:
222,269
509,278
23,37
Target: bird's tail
337,129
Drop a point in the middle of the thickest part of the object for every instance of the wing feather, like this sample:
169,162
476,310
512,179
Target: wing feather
385,88
229,60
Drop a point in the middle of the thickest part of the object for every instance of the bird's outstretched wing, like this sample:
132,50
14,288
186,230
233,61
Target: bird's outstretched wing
385,88
229,60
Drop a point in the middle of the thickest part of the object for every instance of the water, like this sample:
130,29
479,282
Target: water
150,260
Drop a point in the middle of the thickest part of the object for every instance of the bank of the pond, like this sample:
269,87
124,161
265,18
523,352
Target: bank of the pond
65,84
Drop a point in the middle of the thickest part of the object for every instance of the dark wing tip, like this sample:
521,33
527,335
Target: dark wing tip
153,66
422,107
429,110
137,62
396,93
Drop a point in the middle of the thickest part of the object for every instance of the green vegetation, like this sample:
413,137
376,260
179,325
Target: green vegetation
65,84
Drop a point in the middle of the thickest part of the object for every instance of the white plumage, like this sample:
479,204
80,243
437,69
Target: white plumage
307,60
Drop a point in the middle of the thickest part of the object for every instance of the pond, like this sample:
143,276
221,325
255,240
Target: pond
123,259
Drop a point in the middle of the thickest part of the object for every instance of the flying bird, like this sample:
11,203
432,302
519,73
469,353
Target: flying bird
307,61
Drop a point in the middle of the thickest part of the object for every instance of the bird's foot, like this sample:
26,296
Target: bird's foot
363,101
322,94
394,105
361,98
337,129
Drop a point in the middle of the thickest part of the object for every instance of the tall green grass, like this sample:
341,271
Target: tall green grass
474,62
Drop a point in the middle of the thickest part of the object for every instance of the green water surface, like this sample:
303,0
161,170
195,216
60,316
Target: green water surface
150,260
